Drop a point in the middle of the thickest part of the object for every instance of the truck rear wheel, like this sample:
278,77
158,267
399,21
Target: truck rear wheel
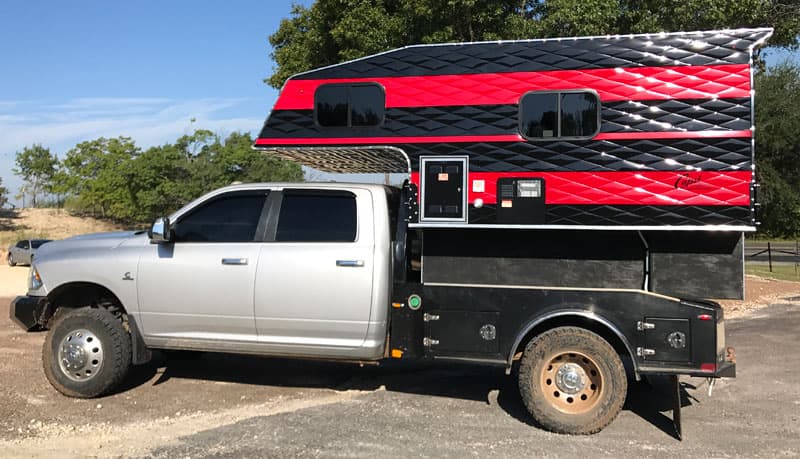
87,352
572,381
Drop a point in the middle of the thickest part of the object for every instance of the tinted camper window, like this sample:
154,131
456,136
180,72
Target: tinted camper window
331,103
572,114
539,113
578,114
348,105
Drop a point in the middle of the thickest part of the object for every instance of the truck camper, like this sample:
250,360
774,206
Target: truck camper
570,209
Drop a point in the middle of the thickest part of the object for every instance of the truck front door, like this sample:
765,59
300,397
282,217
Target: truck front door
200,285
313,287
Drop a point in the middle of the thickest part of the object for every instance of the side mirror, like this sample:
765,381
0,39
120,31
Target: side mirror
160,231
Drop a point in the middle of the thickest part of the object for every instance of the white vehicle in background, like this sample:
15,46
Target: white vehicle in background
23,251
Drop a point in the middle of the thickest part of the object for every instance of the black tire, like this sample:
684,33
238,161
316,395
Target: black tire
98,369
10,260
572,381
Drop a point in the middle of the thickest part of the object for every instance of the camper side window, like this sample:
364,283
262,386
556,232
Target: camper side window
566,114
349,105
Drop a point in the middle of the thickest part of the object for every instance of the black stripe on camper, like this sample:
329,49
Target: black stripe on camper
708,154
706,48
619,215
627,116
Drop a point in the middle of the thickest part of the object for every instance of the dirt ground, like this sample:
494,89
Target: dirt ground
760,292
168,399
13,281
47,223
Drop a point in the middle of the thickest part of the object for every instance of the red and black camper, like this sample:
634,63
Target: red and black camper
641,131
649,136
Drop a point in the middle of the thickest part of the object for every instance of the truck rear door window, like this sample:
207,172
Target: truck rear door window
317,216
349,105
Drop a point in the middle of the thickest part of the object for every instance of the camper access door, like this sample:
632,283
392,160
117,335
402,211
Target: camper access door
443,180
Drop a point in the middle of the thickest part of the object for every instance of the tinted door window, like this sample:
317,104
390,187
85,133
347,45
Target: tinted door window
232,218
317,217
37,244
22,244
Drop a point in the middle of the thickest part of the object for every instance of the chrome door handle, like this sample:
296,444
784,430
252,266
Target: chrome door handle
350,263
234,261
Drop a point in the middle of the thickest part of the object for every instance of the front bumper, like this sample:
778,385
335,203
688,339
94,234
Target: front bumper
27,311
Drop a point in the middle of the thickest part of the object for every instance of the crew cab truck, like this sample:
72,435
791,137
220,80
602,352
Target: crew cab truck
333,271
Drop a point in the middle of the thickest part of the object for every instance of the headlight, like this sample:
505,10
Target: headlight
34,280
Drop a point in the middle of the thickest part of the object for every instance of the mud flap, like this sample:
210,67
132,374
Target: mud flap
676,406
141,354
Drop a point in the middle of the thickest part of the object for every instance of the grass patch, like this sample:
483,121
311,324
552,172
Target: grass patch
782,271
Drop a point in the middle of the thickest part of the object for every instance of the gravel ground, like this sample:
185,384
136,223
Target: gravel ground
236,406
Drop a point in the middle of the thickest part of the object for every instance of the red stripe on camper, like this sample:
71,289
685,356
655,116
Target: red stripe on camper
672,135
266,141
385,140
698,188
613,84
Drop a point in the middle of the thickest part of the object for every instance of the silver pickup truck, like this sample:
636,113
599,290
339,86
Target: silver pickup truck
333,271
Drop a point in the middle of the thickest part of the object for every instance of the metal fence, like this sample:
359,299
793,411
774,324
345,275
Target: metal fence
778,252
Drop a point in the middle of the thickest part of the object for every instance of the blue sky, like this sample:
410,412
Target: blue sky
74,71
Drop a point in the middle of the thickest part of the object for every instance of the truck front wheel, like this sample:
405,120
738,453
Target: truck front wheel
87,352
572,381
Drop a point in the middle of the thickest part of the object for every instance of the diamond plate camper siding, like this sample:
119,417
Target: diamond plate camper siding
674,146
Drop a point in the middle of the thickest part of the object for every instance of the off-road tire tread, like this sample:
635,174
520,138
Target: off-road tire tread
117,352
604,355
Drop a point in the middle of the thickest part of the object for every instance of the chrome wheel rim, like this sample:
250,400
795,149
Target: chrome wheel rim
80,355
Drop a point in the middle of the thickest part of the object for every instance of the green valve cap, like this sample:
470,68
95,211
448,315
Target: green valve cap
414,302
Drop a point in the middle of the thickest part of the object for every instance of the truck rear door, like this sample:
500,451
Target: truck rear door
314,282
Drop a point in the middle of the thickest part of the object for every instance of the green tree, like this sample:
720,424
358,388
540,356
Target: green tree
36,166
96,174
233,160
3,193
332,31
164,178
158,182
778,148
